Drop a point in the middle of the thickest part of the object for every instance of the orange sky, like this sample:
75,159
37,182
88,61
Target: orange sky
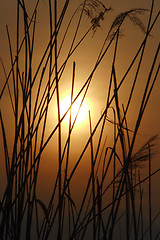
87,53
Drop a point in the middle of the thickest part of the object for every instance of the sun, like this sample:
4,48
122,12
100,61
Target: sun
77,108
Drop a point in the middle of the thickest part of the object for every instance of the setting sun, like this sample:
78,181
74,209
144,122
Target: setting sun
82,113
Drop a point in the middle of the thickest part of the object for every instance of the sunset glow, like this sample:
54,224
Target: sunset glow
82,113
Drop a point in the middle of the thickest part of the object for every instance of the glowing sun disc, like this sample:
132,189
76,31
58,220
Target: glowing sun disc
82,114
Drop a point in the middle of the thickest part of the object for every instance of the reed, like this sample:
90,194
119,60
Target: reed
113,197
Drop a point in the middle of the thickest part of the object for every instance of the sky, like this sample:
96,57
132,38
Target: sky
85,58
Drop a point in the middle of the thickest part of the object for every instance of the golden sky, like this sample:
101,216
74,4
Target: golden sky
85,56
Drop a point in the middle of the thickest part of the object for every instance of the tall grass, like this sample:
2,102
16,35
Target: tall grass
113,199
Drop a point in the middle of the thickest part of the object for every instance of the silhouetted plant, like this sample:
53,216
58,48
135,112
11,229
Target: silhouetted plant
30,97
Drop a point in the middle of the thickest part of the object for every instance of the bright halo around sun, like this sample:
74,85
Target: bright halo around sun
82,116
